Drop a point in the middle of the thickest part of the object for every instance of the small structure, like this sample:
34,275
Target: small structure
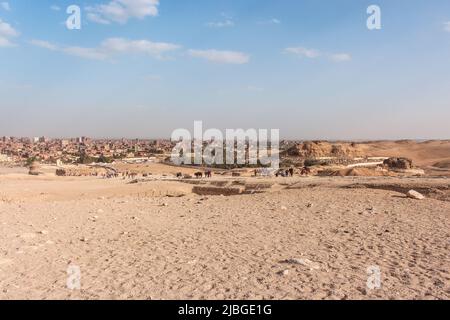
61,172
35,169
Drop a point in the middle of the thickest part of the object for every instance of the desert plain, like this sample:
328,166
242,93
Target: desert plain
229,237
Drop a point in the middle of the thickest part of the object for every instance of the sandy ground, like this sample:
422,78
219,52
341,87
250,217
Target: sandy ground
157,240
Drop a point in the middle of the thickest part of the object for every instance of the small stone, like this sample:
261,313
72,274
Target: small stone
309,205
84,239
304,262
415,195
283,208
283,272
44,232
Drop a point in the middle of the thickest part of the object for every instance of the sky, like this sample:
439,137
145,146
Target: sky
143,68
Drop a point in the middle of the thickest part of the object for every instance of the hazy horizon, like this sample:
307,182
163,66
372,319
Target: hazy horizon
309,68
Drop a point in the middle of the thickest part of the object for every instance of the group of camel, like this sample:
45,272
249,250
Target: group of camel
305,171
198,175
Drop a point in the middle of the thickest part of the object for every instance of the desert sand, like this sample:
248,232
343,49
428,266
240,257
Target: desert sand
282,238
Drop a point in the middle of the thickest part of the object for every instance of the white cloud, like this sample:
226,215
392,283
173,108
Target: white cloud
86,53
313,53
6,6
111,47
94,17
5,42
447,26
6,33
231,57
340,57
270,21
55,8
227,21
155,49
44,44
221,24
303,52
121,11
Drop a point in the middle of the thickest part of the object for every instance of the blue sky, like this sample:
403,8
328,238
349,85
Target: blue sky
310,68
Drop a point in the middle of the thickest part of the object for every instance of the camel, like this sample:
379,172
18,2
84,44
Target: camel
198,175
305,171
291,172
281,173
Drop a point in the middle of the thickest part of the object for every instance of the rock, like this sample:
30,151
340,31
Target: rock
84,239
398,163
415,195
283,208
309,205
304,262
283,272
44,232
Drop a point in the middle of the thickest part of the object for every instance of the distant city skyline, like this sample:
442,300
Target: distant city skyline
143,68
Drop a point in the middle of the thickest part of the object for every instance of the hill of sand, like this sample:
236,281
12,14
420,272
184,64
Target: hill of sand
443,164
358,172
423,154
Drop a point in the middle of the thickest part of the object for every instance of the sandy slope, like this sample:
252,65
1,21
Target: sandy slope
133,243
422,153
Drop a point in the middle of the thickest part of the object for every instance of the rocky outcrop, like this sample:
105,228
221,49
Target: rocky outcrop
318,149
415,195
398,163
